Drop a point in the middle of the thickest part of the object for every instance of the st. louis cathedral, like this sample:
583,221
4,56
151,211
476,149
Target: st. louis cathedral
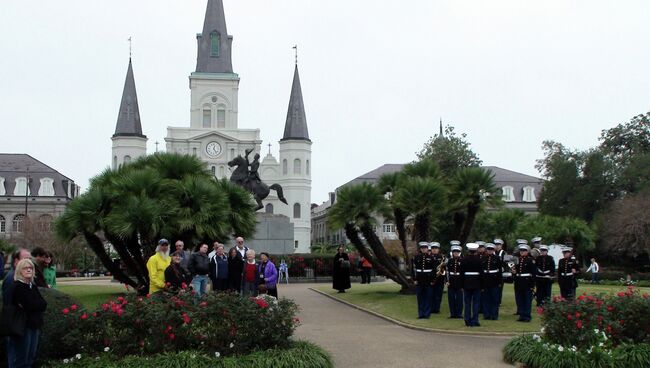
214,135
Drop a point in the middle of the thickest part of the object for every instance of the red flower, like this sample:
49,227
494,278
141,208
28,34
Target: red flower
94,314
608,328
203,304
186,319
120,299
621,322
261,303
141,343
579,324
645,295
120,312
183,286
621,294
84,316
610,308
581,297
66,311
577,314
73,307
105,306
168,329
540,310
569,317
168,284
172,336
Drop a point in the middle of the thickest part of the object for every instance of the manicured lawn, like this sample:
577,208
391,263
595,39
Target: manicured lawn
385,299
92,296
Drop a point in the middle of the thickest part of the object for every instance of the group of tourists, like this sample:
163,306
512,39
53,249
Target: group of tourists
238,270
21,297
475,280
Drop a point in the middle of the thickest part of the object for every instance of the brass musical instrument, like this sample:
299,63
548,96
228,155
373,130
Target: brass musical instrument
511,264
441,270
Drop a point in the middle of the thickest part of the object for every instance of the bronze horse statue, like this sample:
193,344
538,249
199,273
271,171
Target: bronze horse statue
259,190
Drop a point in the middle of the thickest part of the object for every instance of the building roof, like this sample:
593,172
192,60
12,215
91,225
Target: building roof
296,125
128,118
16,165
502,178
214,24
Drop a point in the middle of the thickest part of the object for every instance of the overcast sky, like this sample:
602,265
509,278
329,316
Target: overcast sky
376,75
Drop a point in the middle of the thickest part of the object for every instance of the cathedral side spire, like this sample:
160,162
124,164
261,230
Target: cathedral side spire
128,119
214,44
296,125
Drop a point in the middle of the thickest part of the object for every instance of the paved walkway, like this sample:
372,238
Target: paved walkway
360,340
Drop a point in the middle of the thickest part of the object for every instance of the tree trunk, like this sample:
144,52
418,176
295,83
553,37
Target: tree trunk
353,235
472,210
422,223
378,248
98,247
131,266
400,225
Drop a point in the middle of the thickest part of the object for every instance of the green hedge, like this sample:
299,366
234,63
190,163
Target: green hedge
299,355
533,352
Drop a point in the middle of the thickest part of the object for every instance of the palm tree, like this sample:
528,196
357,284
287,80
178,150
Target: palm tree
471,190
421,198
387,185
162,195
354,211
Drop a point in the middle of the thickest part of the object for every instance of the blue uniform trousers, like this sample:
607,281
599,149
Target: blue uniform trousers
455,297
543,290
490,302
424,295
524,299
472,301
436,296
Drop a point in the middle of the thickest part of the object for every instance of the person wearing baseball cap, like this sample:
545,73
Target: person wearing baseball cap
156,266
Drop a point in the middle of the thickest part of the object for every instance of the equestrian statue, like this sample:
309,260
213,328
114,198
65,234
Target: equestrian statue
250,178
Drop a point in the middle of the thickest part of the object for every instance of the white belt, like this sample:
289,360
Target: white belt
472,273
540,271
524,275
567,274
491,271
507,274
454,273
544,277
423,270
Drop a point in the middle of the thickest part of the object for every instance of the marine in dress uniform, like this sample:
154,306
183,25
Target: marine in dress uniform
524,277
545,265
472,272
492,275
438,281
454,243
423,272
567,272
501,253
481,254
455,283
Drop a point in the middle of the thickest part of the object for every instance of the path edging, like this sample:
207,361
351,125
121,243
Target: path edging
419,328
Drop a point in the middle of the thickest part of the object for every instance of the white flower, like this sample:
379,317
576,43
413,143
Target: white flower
78,356
217,354
536,337
589,351
601,344
560,348
193,356
106,349
232,345
574,349
541,330
66,361
596,331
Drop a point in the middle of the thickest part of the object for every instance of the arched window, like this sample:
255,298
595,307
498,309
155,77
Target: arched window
296,210
269,208
388,228
529,194
127,159
215,44
221,118
222,172
115,162
47,187
284,167
307,169
44,223
21,188
508,193
2,186
3,224
232,153
214,170
296,166
18,223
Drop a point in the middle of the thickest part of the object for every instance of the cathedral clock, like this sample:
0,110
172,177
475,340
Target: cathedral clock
213,149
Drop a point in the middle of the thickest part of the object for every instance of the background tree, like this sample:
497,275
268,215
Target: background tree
449,151
501,224
625,227
162,195
570,231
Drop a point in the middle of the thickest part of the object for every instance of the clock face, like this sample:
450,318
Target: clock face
213,149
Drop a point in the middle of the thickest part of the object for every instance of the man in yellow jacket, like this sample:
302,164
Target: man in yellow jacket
156,266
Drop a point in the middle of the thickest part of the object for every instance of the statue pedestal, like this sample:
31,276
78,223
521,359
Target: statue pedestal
273,234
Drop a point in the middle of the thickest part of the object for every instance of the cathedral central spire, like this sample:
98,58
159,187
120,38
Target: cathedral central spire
296,125
128,118
214,44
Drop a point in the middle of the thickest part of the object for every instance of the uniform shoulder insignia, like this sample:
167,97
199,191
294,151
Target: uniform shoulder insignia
532,261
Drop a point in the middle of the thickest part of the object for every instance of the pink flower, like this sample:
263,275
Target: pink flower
577,314
84,316
105,306
579,324
203,304
621,294
94,314
66,311
73,307
172,336
186,319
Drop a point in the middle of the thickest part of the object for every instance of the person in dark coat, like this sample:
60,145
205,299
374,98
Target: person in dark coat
422,275
219,270
39,255
341,271
492,276
472,271
199,266
545,265
567,272
27,297
455,283
524,277
235,270
177,276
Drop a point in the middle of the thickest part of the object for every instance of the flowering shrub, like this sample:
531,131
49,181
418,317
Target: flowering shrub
217,323
622,318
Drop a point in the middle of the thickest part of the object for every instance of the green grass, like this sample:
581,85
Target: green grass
385,299
92,296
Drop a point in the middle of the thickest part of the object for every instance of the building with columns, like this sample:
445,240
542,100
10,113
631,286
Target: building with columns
214,133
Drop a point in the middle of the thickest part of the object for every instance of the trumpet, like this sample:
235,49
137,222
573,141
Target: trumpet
511,265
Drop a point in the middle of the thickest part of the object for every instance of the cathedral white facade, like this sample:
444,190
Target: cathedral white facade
214,134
